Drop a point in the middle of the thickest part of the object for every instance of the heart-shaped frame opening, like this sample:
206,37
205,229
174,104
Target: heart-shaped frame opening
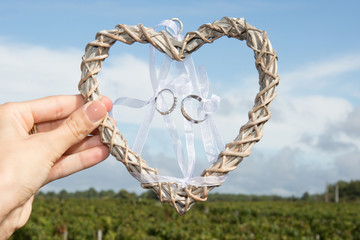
183,198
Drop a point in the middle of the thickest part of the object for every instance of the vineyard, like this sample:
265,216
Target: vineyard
137,218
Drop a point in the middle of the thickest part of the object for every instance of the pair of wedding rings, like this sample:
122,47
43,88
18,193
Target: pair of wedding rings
171,109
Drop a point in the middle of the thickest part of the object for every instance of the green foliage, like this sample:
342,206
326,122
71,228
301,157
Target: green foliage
125,215
150,194
243,197
120,218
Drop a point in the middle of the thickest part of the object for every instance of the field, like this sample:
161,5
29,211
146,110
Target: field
81,218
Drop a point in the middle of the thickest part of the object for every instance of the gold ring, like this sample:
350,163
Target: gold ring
33,130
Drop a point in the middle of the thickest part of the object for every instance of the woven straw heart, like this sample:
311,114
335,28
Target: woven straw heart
183,198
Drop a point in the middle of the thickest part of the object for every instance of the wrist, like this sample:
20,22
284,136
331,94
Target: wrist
9,200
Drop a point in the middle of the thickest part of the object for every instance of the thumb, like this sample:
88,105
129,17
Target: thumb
78,125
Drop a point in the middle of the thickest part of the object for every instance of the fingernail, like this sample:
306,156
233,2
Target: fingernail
95,111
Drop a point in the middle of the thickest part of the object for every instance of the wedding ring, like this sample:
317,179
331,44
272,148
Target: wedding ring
33,130
196,121
173,104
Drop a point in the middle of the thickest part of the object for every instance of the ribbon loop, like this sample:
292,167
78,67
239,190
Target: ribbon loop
211,105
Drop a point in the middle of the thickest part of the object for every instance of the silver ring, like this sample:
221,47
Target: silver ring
196,121
173,105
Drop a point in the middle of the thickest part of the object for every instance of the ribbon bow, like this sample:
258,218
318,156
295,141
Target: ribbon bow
188,83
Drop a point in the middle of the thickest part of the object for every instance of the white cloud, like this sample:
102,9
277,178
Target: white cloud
343,136
302,108
325,68
33,71
125,76
281,173
304,116
292,117
348,165
352,124
319,74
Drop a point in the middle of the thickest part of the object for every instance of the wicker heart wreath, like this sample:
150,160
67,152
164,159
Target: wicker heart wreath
182,198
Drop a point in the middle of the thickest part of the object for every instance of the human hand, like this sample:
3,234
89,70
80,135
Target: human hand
61,147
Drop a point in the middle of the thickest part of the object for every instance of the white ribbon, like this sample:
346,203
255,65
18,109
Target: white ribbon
212,141
195,181
187,82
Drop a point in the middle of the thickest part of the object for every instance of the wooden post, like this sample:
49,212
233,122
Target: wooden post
65,236
337,192
327,192
99,234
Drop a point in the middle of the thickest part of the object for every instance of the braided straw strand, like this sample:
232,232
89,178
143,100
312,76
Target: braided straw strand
183,198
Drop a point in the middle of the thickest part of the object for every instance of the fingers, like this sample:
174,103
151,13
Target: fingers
59,107
70,164
48,125
54,107
87,143
76,127
107,102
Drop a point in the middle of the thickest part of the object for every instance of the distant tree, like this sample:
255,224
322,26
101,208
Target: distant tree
123,194
63,194
277,198
106,194
91,193
149,195
40,194
305,196
51,194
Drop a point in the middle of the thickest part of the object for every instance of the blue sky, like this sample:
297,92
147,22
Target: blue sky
313,136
